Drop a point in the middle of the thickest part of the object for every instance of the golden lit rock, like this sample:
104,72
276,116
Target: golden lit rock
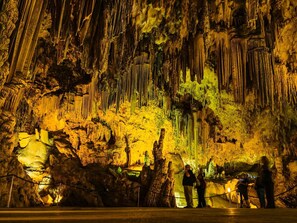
87,86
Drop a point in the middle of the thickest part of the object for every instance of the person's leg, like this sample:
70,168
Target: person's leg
190,190
246,198
186,195
241,200
203,202
199,198
270,196
261,196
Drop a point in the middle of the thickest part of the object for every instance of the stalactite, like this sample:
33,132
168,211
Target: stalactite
238,61
195,132
292,89
92,38
252,11
86,106
31,16
199,57
170,72
190,131
61,21
191,61
204,128
86,10
223,53
104,100
134,84
280,86
285,85
51,104
8,19
184,60
223,15
77,106
13,98
261,71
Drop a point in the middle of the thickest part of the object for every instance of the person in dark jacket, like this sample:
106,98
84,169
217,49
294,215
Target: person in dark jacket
242,187
201,186
266,176
260,189
188,180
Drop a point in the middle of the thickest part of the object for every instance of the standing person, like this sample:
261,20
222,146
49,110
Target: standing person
201,186
259,187
188,181
242,187
266,176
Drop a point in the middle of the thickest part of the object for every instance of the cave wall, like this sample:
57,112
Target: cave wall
85,80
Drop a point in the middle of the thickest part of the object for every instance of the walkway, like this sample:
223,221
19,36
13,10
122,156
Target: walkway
147,215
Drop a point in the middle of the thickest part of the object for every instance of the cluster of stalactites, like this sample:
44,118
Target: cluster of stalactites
8,18
195,128
249,64
245,57
128,65
25,37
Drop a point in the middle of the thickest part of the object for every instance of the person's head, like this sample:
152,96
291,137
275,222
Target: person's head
187,167
264,161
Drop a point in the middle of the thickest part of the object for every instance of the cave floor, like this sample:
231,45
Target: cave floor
153,215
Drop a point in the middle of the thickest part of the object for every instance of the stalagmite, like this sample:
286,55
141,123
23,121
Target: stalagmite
160,192
168,197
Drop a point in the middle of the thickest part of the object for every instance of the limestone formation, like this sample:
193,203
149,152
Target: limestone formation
98,79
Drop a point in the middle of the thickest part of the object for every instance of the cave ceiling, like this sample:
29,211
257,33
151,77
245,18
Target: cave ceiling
90,78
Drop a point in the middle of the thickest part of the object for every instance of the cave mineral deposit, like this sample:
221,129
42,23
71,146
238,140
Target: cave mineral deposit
103,102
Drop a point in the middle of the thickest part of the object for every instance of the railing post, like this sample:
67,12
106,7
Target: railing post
10,191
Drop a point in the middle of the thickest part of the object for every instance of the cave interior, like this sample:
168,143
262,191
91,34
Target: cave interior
103,102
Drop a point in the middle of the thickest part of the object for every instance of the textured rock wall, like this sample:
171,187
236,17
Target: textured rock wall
102,76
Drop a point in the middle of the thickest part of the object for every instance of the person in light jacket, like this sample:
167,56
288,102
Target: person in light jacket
188,181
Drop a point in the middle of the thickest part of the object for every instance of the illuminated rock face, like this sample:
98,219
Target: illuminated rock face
86,87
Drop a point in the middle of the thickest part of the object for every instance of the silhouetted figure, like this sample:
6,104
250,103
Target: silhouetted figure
266,176
242,187
201,186
188,181
259,187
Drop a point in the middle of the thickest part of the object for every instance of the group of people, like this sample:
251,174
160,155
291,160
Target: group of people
189,180
263,185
